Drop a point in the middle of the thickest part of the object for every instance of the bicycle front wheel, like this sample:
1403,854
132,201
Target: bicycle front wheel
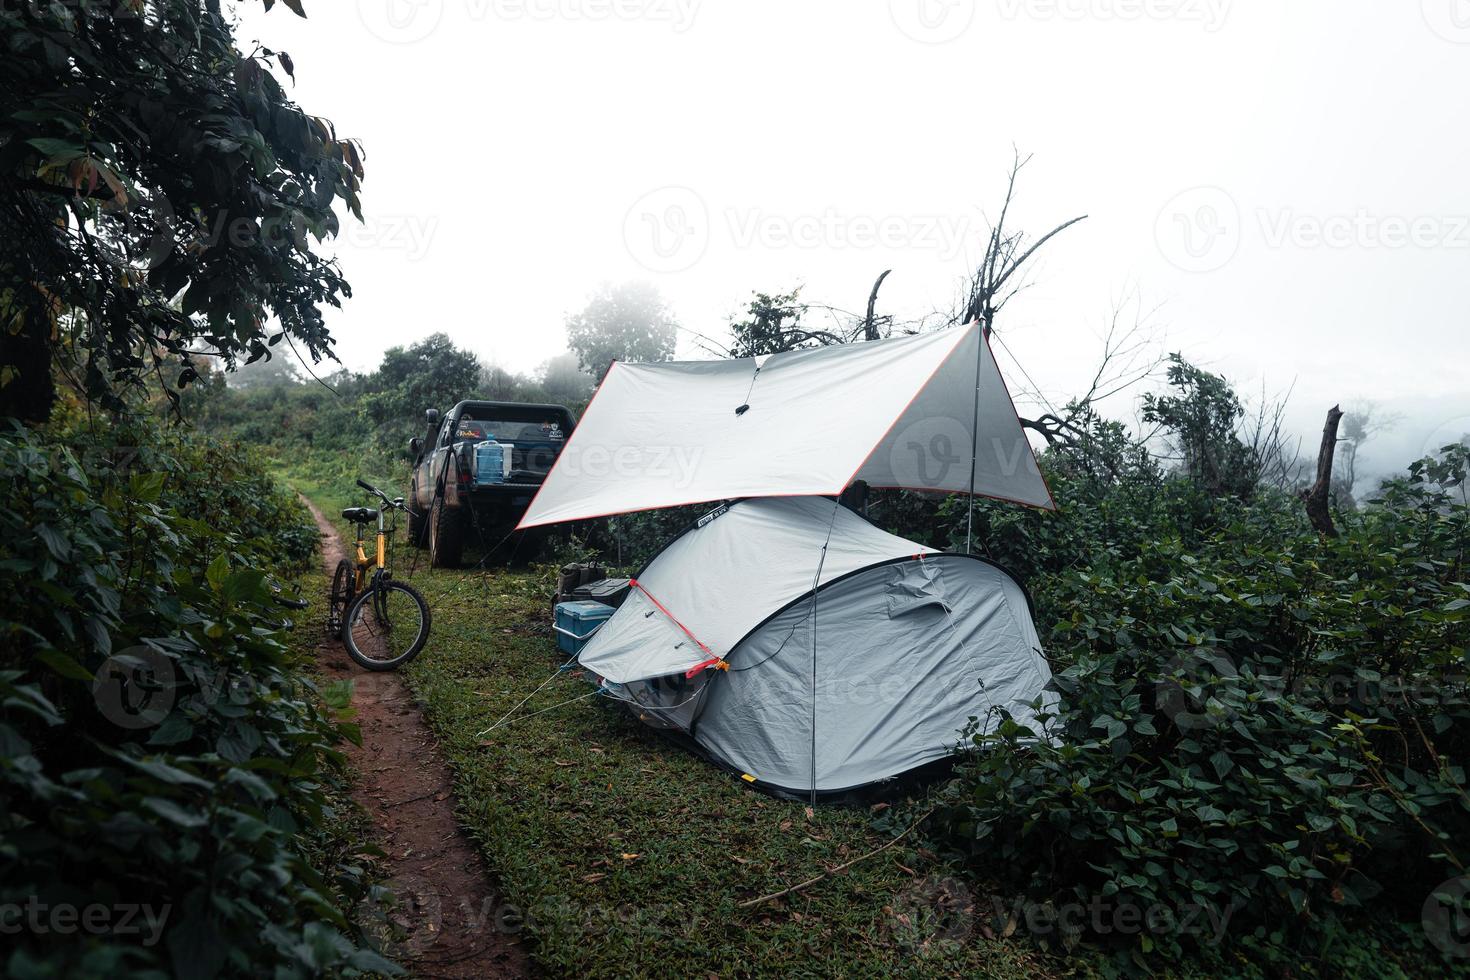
386,626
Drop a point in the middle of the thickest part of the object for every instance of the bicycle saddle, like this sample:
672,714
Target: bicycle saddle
360,515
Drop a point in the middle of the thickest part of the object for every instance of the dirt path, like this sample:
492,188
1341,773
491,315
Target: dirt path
446,902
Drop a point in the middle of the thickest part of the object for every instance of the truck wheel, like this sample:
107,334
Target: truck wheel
418,524
446,536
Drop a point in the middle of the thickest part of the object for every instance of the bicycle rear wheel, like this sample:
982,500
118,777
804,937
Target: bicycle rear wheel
344,586
386,626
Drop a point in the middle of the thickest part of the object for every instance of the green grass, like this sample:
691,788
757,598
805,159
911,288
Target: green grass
616,851
556,801
628,852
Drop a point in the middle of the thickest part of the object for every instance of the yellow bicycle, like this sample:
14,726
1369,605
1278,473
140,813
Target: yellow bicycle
382,622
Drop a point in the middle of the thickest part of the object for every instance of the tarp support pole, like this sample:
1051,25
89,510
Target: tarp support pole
974,444
816,587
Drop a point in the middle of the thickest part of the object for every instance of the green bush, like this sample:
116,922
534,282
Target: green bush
159,749
1253,720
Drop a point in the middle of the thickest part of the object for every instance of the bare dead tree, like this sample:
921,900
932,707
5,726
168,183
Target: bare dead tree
1277,456
870,326
998,279
995,282
1130,355
1317,495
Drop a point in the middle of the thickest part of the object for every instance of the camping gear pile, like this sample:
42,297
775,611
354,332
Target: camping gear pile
782,635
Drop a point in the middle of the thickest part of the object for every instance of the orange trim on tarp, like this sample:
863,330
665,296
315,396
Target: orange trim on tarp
713,658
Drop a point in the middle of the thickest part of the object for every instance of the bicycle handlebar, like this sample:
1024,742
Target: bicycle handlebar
379,494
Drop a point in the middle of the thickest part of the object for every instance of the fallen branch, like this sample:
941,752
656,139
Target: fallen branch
841,867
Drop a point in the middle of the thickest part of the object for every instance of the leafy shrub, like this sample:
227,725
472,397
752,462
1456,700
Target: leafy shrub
1253,719
158,746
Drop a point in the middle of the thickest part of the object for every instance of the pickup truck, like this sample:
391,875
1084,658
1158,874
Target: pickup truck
457,497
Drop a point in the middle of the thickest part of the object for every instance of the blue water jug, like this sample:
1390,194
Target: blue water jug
489,462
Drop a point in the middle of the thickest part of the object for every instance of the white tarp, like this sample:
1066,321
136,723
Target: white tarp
894,412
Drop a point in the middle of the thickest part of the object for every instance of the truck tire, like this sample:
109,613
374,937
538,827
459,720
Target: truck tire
446,535
418,522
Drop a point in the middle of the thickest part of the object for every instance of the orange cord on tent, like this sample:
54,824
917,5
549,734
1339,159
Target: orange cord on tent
715,661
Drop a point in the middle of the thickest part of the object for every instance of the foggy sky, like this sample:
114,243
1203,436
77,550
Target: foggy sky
1282,185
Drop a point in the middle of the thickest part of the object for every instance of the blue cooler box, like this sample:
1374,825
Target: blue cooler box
576,621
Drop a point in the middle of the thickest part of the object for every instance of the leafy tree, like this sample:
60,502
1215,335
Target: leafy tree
772,324
432,373
562,380
1202,418
502,384
1252,719
159,194
627,322
272,373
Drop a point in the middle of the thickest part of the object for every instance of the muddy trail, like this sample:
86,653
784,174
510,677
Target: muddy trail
447,906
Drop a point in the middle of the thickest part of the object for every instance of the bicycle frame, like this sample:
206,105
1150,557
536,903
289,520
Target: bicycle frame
364,563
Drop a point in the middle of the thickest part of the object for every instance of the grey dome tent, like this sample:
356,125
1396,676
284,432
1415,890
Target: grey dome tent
783,635
830,679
